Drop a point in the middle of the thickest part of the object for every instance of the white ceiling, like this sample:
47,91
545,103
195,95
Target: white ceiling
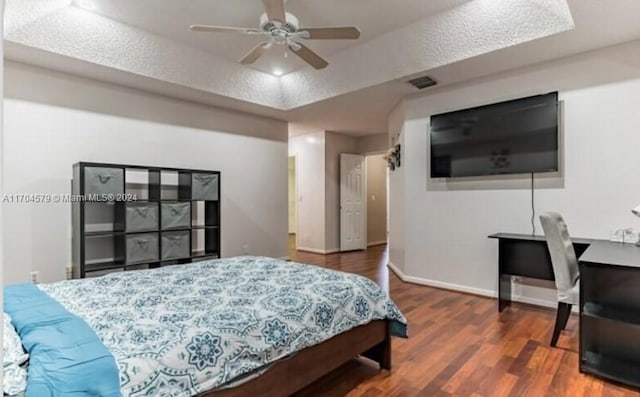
146,44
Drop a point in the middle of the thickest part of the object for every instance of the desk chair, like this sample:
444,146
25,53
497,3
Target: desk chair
565,268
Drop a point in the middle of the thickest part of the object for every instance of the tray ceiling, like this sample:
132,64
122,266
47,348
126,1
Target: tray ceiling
117,40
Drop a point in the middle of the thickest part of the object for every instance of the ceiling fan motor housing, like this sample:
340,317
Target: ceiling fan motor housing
278,30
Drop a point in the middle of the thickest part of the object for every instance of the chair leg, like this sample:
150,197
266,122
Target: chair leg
562,316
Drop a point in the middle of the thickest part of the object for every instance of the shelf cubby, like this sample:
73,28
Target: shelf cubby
137,183
102,229
610,322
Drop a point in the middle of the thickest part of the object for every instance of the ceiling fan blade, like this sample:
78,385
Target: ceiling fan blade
337,33
255,53
308,56
223,29
275,10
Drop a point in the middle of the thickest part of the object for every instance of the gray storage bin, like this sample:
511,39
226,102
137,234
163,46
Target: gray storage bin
176,215
101,181
204,186
142,216
175,245
142,248
138,267
100,273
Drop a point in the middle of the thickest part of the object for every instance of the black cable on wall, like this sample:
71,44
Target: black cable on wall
533,208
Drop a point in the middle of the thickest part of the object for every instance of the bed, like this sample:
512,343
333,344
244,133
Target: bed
228,327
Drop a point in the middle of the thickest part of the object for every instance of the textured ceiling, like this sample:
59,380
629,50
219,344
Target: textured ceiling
144,44
450,32
171,19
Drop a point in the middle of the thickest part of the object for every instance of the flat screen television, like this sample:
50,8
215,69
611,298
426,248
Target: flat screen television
513,137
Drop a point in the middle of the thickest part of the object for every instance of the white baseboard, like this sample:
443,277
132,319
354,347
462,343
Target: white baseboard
318,251
283,258
376,243
469,290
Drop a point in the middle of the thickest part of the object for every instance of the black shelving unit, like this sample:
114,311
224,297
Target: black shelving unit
610,312
131,217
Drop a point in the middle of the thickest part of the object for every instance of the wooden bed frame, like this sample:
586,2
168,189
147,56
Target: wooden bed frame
290,375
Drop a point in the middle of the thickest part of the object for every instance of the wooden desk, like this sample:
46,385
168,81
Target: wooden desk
609,298
610,312
525,255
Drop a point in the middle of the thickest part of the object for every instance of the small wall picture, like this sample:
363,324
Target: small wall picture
393,157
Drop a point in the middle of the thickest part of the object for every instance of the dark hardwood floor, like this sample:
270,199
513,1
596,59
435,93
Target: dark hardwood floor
460,345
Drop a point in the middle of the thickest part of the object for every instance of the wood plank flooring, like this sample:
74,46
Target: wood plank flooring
460,345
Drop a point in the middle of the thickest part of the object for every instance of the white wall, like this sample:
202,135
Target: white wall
60,119
447,223
1,169
371,144
396,197
310,164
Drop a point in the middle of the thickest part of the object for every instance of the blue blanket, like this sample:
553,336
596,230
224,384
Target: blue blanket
66,357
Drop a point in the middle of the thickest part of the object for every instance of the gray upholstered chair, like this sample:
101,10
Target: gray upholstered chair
565,268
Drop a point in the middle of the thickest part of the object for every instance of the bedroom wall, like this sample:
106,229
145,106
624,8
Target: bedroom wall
370,144
53,120
447,222
396,193
1,169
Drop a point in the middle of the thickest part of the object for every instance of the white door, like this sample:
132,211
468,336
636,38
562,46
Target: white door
353,203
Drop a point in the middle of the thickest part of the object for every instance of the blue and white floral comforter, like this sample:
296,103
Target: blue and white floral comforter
178,331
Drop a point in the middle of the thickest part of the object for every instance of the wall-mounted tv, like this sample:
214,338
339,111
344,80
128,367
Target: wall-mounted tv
514,137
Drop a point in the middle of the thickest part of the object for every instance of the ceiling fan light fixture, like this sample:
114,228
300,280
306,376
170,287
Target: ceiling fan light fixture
291,24
278,72
86,5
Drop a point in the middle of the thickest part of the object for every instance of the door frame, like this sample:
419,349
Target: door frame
295,193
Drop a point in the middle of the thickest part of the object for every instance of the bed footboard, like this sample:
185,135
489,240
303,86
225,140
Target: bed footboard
288,376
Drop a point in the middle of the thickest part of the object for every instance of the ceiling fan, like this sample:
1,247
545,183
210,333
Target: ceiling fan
281,28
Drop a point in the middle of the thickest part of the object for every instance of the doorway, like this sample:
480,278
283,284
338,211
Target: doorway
353,204
377,193
292,203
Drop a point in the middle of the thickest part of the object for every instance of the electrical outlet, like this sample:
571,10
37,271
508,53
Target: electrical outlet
245,249
34,277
